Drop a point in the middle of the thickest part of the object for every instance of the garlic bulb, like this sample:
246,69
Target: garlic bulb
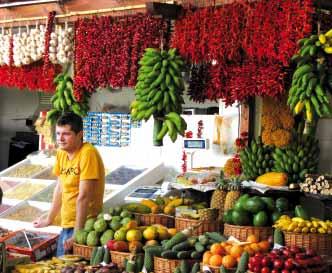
62,45
4,48
28,46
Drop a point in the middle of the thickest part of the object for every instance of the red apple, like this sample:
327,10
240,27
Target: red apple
289,264
294,271
266,261
275,271
278,264
257,269
265,270
284,271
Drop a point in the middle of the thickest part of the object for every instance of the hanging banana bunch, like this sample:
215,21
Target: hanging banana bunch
312,79
64,101
159,93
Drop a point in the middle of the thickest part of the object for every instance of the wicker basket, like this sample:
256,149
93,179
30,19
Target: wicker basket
321,243
162,265
82,250
118,257
150,219
242,232
216,269
183,223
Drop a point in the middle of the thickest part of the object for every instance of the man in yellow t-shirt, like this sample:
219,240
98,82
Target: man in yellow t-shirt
79,191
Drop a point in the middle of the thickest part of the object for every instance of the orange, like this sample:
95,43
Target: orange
252,239
224,244
255,247
216,260
236,251
228,261
228,248
264,246
249,250
206,257
216,248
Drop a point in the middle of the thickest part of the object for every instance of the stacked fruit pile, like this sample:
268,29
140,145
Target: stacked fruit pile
299,224
301,156
256,159
255,211
99,231
63,100
182,246
287,260
166,205
159,91
297,159
120,232
227,254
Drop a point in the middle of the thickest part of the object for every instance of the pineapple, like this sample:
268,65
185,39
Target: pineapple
219,196
233,194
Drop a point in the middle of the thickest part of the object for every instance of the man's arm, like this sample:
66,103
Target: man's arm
55,208
82,203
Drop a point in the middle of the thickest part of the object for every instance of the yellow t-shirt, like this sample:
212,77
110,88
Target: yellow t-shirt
86,164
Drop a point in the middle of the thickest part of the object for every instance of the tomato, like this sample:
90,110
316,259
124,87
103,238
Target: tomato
275,271
285,271
294,271
265,270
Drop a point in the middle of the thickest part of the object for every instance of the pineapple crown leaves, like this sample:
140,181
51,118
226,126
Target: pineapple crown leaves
232,183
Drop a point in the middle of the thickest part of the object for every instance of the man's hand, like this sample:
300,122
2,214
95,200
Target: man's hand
68,245
41,222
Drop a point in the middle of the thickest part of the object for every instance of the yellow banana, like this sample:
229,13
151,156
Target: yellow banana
322,39
329,33
298,107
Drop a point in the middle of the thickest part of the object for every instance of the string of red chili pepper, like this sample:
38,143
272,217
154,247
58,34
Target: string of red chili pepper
107,50
49,27
29,77
197,82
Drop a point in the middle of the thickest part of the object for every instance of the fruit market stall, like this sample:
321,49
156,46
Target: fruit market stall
250,215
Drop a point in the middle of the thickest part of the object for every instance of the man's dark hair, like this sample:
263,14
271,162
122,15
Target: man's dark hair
69,118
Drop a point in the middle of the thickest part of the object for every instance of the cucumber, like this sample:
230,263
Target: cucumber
195,268
186,245
176,239
139,262
278,237
196,255
301,212
216,236
186,254
169,254
184,266
93,254
106,258
199,247
242,266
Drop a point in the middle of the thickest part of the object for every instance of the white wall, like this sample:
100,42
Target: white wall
15,107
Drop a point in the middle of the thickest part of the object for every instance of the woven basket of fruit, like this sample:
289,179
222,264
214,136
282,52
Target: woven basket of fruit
162,265
321,243
183,223
215,269
82,250
152,218
242,232
118,257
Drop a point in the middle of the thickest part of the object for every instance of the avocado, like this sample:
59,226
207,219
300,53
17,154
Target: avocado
269,203
240,218
282,204
260,219
254,205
